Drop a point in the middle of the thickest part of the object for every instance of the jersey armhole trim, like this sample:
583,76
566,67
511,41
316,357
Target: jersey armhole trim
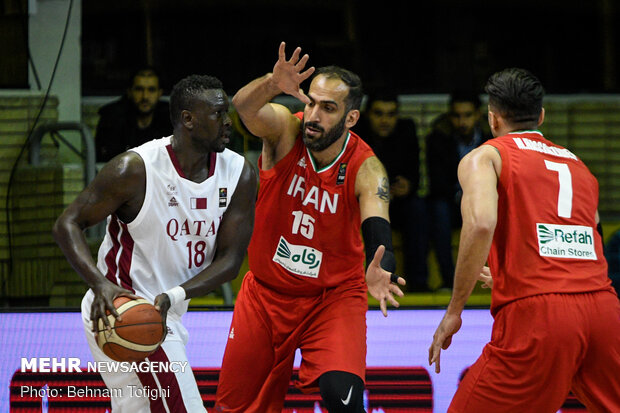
503,154
236,176
265,174
147,196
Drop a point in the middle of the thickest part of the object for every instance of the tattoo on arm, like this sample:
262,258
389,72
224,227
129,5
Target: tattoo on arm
382,190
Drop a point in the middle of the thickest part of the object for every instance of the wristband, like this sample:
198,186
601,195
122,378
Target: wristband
376,231
176,295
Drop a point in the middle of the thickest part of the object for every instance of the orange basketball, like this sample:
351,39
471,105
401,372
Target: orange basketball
137,336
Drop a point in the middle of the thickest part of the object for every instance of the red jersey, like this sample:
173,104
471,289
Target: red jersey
307,229
545,240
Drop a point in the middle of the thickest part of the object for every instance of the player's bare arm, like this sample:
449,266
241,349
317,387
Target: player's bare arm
233,238
274,123
478,175
119,189
372,189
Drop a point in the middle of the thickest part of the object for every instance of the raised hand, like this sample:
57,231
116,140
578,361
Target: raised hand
379,282
289,74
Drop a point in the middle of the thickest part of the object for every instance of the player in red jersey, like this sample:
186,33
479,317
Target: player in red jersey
306,288
530,206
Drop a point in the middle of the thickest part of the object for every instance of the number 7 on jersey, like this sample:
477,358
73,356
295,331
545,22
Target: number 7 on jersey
565,194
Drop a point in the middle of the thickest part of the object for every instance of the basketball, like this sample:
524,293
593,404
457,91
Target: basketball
134,338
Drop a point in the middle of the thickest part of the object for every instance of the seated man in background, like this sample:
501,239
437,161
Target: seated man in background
454,134
135,118
395,142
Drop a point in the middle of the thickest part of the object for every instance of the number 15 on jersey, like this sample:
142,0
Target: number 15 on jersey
303,224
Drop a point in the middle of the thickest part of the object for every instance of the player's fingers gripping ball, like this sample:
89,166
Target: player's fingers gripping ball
137,336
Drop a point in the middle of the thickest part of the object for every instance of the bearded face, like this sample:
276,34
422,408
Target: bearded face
317,139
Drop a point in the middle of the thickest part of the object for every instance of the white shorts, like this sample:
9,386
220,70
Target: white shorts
150,392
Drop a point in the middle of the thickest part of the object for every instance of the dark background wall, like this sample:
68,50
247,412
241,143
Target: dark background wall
419,47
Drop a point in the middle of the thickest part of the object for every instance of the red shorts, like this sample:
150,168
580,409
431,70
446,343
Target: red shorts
267,328
542,347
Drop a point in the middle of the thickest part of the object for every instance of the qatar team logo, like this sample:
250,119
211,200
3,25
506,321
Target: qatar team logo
198,203
565,241
298,259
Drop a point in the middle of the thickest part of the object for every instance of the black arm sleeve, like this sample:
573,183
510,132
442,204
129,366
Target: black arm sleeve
376,231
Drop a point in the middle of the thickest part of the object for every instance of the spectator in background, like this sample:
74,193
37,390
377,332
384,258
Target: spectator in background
453,135
135,118
395,142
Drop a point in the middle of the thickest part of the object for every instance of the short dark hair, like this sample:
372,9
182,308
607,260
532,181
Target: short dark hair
187,90
382,95
516,94
468,96
356,94
146,71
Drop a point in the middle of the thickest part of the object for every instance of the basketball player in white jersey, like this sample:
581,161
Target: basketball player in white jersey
180,213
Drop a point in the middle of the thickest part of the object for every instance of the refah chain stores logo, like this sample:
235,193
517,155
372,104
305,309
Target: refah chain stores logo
298,259
565,241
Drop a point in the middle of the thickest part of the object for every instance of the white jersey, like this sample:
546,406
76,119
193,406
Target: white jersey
173,237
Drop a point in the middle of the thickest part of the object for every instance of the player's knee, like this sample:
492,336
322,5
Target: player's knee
342,392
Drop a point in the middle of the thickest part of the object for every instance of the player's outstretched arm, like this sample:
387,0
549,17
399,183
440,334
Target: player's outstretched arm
233,238
478,172
269,121
118,188
372,190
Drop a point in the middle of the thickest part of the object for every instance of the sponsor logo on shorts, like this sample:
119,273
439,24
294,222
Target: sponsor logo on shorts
346,400
298,259
565,241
